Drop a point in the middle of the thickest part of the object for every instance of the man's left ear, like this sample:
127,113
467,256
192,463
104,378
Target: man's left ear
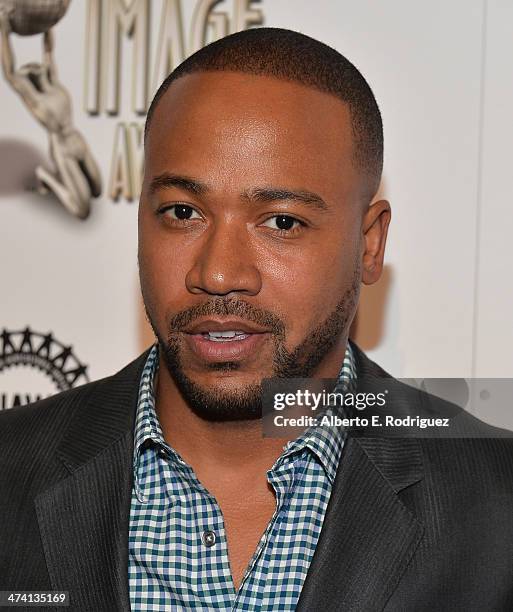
375,228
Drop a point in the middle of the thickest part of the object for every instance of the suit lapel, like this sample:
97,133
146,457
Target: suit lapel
368,535
84,518
83,522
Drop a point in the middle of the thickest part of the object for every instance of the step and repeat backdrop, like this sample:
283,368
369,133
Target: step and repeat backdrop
442,72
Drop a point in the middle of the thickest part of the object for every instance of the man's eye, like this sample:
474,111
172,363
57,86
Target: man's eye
283,223
181,212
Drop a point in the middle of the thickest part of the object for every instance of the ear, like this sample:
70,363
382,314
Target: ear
375,228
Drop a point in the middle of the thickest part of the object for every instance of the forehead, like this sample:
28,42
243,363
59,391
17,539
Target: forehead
232,122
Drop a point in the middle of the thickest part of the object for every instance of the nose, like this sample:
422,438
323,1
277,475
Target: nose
225,263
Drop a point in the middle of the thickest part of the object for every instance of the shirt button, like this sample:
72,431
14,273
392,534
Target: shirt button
209,538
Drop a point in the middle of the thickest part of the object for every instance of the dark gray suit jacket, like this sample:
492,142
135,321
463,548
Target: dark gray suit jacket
422,525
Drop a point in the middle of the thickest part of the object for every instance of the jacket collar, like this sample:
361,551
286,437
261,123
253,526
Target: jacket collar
108,416
368,536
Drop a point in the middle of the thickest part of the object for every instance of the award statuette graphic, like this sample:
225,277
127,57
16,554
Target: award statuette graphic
76,177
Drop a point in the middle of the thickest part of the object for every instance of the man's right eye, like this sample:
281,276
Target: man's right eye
180,212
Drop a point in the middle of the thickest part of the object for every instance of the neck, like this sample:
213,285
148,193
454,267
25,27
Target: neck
228,446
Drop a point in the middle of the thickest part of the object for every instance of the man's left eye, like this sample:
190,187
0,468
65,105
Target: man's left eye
282,222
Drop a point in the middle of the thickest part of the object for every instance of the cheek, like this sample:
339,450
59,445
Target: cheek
162,270
304,286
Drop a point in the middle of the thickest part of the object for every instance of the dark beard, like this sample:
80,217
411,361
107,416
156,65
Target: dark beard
301,362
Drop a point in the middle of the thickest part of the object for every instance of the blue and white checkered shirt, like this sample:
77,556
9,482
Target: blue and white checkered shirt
172,564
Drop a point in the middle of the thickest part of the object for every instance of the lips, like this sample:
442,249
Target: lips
205,326
216,340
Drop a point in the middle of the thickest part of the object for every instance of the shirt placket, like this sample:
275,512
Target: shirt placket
281,478
204,516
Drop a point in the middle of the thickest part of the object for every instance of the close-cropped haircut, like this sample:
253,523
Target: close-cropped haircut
295,57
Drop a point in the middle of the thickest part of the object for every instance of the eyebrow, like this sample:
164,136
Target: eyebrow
166,181
273,194
257,195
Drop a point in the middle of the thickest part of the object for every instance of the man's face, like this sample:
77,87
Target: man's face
250,236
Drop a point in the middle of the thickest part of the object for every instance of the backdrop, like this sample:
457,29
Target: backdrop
70,309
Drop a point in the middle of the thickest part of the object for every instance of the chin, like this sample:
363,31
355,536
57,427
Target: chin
223,393
223,397
224,378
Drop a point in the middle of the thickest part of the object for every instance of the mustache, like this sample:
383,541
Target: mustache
228,307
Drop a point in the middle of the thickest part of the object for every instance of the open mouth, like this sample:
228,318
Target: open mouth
225,336
226,345
222,339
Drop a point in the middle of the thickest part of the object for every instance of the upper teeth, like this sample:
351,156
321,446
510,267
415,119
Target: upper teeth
224,334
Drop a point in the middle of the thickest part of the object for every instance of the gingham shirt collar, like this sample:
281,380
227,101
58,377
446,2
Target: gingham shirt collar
325,442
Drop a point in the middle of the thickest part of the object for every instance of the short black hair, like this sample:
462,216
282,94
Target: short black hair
293,56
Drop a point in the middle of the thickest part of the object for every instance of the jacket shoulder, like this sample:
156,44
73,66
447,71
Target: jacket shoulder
39,427
411,401
26,423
